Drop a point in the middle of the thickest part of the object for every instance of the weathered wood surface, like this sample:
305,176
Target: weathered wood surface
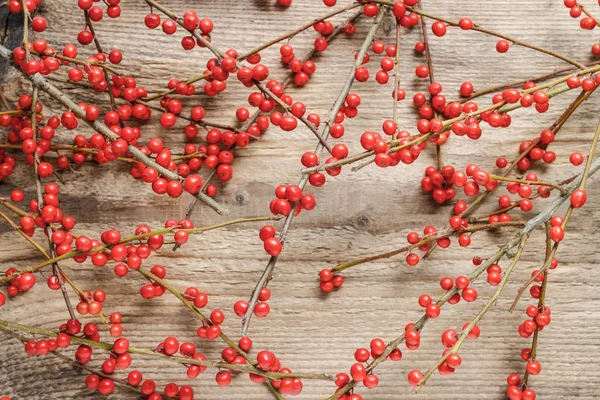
358,214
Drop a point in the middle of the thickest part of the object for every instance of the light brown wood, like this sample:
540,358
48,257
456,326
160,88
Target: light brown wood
358,214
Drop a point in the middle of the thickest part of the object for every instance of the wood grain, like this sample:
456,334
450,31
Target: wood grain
358,214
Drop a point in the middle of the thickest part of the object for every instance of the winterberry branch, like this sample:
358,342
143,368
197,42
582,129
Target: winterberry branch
490,32
153,353
291,34
541,303
42,84
536,79
203,123
428,239
526,182
530,226
219,54
555,128
177,293
192,231
47,256
75,363
40,197
515,204
591,167
289,79
158,95
268,271
423,320
486,308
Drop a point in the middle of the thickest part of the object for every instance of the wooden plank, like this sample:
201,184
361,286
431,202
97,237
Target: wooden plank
358,214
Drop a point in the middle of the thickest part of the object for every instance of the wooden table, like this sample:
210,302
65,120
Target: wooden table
358,214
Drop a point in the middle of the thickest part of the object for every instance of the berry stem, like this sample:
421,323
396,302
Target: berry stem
90,26
526,182
429,61
588,13
77,61
540,78
167,92
396,77
25,28
516,203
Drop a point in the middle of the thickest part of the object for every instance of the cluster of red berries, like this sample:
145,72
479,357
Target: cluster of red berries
191,22
439,183
44,346
89,303
261,309
50,213
329,280
267,361
49,62
289,198
587,22
22,283
384,156
358,370
453,361
120,359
